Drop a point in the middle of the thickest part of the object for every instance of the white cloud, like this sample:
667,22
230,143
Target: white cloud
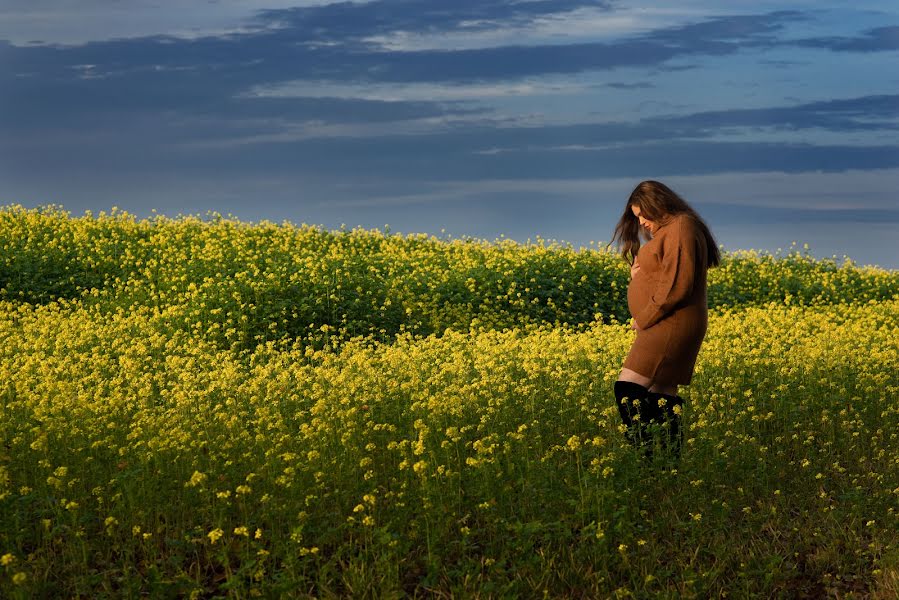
562,148
579,25
426,92
73,22
589,24
306,130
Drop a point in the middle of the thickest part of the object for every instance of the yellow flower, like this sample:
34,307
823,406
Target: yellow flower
196,479
215,535
7,559
242,531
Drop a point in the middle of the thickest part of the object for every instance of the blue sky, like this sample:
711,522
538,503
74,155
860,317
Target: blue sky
516,118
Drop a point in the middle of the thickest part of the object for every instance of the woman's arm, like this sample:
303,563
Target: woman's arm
634,268
676,274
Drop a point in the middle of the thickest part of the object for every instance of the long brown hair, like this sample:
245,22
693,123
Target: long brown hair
657,203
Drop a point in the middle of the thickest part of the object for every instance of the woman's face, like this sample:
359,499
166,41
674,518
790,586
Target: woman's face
649,225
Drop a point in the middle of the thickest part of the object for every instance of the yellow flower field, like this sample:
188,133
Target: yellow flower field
180,416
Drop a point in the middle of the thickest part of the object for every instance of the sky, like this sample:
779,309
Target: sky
522,119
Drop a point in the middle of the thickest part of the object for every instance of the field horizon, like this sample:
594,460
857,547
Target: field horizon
211,216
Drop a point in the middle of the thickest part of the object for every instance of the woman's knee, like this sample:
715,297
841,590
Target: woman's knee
647,382
634,377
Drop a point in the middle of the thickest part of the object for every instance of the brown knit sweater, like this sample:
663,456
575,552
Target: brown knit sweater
667,299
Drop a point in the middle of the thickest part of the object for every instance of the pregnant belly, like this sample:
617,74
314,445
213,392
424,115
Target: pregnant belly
639,292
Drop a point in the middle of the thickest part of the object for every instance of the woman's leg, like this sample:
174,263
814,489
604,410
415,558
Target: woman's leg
656,391
662,388
668,407
633,376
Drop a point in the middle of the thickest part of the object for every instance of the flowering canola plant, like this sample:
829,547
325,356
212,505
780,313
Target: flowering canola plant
164,435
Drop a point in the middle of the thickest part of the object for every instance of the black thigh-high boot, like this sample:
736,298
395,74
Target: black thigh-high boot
632,401
670,407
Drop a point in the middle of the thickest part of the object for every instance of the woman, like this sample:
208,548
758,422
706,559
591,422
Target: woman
667,300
